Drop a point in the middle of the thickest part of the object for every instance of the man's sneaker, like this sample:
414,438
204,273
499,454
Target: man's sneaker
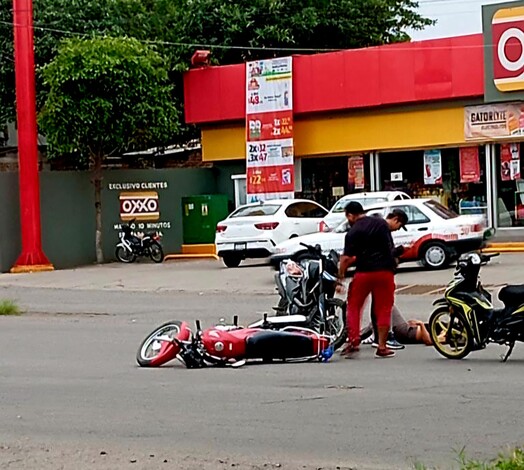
368,340
391,343
349,351
384,353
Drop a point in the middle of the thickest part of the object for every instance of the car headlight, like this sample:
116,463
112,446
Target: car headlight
281,250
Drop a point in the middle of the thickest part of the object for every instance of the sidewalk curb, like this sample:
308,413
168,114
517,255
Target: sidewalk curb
508,247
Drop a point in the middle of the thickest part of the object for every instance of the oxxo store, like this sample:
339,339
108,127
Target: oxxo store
441,118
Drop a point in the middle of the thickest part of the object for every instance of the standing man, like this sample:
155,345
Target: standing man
396,220
370,245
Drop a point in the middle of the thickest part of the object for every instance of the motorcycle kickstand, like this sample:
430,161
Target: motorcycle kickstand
510,350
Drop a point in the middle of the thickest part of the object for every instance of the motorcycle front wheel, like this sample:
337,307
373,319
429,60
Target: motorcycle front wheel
124,255
156,253
336,321
451,335
154,353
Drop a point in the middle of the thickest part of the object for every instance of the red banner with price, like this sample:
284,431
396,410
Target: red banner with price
269,129
266,126
270,179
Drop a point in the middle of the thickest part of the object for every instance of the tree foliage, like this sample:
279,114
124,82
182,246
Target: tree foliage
107,95
314,25
227,27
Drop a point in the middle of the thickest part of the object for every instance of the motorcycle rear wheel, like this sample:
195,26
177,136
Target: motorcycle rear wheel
151,353
156,253
124,255
336,326
454,344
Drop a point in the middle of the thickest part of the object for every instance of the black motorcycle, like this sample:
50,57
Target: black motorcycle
132,246
307,289
465,319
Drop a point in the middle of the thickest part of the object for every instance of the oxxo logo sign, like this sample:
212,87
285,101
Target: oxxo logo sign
508,49
140,205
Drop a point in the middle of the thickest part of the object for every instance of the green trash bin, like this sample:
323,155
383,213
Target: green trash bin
200,215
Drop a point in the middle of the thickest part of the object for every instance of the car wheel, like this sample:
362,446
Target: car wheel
435,255
232,261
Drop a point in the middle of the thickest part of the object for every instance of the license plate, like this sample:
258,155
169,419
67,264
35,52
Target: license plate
240,246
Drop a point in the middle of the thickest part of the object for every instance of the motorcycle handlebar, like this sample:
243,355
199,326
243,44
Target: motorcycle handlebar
314,249
489,256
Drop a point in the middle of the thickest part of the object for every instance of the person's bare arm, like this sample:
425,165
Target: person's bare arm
345,263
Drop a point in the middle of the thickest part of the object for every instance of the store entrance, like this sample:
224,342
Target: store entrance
510,184
326,179
463,192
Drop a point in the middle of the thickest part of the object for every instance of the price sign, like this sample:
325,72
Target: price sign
269,129
257,153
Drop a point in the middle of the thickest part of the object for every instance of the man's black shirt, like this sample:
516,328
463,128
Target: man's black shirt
369,239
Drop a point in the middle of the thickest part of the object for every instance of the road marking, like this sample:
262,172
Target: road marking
400,289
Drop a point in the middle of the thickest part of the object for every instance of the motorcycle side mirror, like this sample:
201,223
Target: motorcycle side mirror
198,326
235,320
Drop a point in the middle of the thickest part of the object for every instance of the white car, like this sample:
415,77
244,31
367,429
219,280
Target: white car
254,230
434,234
337,215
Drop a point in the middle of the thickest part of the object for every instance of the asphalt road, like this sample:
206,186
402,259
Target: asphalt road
71,396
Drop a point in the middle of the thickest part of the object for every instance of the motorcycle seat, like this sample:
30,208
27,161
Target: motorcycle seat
278,345
512,295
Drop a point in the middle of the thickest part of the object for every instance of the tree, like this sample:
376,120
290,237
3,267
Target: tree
106,96
295,25
227,27
55,20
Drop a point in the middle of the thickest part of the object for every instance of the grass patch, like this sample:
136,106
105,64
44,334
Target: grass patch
511,461
8,307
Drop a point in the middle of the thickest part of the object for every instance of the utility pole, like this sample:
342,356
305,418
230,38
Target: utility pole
32,257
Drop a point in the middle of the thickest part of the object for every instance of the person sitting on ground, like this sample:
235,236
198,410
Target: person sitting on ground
406,331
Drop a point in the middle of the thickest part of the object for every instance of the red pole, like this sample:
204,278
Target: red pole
32,257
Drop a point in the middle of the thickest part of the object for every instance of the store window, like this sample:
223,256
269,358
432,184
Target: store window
326,179
461,188
510,185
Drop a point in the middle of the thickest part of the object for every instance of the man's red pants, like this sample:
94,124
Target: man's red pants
381,286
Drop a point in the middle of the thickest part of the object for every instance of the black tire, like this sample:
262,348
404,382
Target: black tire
435,255
455,345
141,354
156,253
124,255
337,307
232,260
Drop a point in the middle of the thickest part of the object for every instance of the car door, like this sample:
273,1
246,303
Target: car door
417,227
305,216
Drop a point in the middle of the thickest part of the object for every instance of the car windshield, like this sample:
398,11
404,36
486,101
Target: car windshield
440,210
254,211
365,201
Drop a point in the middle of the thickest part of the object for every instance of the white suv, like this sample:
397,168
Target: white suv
336,215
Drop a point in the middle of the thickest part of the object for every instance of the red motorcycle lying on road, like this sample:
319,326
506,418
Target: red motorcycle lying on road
231,345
